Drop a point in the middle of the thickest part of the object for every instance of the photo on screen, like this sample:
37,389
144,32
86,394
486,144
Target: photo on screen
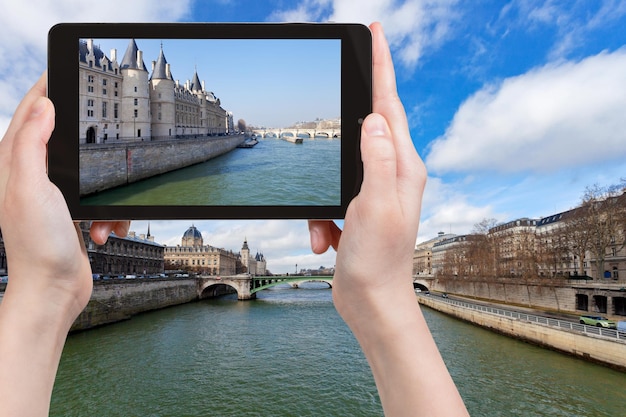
209,122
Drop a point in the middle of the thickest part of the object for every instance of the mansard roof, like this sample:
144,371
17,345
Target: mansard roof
130,57
159,72
83,51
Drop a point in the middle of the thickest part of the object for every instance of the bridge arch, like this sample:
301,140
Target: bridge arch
422,287
217,290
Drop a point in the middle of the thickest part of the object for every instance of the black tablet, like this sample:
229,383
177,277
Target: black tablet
208,121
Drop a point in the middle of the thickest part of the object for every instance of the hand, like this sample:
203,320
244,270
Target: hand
372,286
375,250
50,276
44,248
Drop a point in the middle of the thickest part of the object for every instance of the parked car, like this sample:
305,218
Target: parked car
598,321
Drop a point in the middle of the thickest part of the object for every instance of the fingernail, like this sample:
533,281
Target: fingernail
375,125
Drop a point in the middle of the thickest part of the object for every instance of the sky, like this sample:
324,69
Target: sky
257,80
515,106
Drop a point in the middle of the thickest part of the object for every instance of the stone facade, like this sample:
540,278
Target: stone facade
123,101
134,254
193,255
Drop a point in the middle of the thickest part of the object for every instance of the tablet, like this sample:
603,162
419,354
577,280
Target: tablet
208,121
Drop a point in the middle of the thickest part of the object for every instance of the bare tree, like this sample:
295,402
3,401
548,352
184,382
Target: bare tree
241,125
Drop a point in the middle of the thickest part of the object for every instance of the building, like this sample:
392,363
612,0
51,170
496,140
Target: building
193,255
131,255
124,101
422,256
253,265
514,244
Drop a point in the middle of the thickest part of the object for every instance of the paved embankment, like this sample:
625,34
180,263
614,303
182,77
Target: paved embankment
111,165
116,300
604,346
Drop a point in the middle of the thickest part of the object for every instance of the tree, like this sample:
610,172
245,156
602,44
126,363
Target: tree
241,125
597,225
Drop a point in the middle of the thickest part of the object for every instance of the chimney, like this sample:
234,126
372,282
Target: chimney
113,55
203,86
168,74
140,59
153,65
90,45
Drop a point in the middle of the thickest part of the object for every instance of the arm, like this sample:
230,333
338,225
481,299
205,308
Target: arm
372,289
50,276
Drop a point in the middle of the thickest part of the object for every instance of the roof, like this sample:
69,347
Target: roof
159,72
196,85
192,232
83,51
130,57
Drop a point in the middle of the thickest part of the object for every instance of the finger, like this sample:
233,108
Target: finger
378,154
23,109
411,172
28,151
100,231
323,233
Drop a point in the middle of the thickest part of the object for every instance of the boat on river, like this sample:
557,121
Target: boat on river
292,139
248,143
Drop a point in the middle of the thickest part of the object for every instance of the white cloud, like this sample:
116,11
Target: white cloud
24,27
446,208
411,26
550,118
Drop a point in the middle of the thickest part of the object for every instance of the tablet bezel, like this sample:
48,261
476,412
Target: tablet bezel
63,149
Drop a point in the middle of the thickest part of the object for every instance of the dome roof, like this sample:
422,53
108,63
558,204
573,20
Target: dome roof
192,232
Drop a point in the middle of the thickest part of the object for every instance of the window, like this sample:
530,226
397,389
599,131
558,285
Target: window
104,81
90,88
135,113
582,302
135,89
90,78
104,109
115,110
104,91
135,101
89,113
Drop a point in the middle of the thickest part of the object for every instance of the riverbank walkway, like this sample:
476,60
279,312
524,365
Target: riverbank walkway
595,344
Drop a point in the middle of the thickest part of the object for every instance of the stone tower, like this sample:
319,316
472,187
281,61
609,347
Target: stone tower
162,100
245,255
135,94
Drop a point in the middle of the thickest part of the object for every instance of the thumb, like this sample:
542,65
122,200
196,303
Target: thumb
379,158
29,146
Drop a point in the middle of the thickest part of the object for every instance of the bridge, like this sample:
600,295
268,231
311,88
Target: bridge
300,132
423,283
247,286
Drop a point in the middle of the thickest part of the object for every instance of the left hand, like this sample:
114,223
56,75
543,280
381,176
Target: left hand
45,250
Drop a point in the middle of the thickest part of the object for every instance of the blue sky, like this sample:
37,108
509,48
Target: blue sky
515,106
258,80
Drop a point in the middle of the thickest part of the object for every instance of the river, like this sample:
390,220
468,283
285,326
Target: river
288,353
272,173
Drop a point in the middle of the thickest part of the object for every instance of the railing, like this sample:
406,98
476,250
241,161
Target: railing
546,321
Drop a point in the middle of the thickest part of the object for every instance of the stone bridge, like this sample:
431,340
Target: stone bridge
302,133
423,283
247,286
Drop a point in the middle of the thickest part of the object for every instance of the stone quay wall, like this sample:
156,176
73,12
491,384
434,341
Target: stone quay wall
535,295
104,166
116,300
588,347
